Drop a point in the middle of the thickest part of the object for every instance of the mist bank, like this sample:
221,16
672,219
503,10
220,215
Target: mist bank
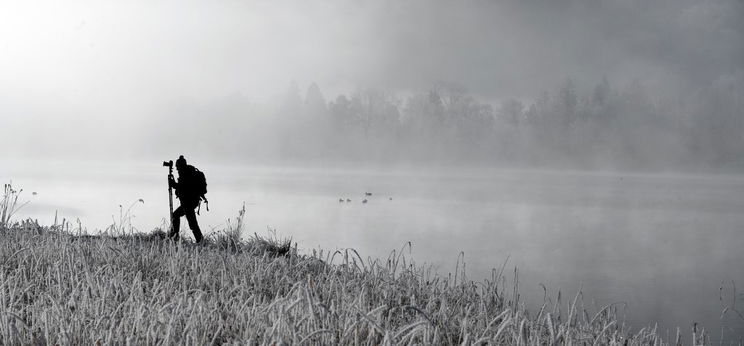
599,126
105,81
578,126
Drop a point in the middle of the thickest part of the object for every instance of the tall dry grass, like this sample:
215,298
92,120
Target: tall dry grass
9,204
56,288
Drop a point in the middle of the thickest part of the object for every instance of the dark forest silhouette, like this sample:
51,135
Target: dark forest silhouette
601,126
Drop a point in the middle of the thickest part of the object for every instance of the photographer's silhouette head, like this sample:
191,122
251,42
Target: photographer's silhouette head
191,189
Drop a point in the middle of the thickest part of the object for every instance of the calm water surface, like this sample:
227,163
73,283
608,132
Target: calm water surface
661,243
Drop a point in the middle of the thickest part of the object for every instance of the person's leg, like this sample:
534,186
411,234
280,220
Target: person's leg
176,222
193,224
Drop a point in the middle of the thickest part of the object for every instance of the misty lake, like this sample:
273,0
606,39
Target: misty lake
663,244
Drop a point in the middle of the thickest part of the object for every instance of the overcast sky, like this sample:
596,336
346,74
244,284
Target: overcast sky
75,60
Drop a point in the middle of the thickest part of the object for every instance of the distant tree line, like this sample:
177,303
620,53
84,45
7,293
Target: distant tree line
602,126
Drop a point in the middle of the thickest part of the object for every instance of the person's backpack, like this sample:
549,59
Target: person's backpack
200,183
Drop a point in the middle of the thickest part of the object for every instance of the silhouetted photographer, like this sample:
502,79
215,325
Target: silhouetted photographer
190,190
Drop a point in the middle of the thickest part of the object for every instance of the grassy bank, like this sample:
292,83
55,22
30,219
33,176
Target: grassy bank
59,287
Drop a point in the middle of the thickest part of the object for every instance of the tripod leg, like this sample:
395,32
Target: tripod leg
170,204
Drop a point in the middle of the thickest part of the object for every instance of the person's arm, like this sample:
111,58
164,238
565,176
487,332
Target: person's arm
172,183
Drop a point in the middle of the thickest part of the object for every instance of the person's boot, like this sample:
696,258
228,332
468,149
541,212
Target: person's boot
198,236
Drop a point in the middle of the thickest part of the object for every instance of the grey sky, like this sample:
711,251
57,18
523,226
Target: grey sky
64,63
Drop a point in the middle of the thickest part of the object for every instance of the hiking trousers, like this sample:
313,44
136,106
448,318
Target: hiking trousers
186,209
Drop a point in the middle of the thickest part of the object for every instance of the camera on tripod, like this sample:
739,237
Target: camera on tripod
168,164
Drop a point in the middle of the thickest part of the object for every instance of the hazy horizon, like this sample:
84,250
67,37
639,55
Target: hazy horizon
87,78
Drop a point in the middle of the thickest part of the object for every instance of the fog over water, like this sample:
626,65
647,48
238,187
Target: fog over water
590,142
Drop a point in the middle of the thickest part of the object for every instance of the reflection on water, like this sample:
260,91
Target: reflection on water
661,243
